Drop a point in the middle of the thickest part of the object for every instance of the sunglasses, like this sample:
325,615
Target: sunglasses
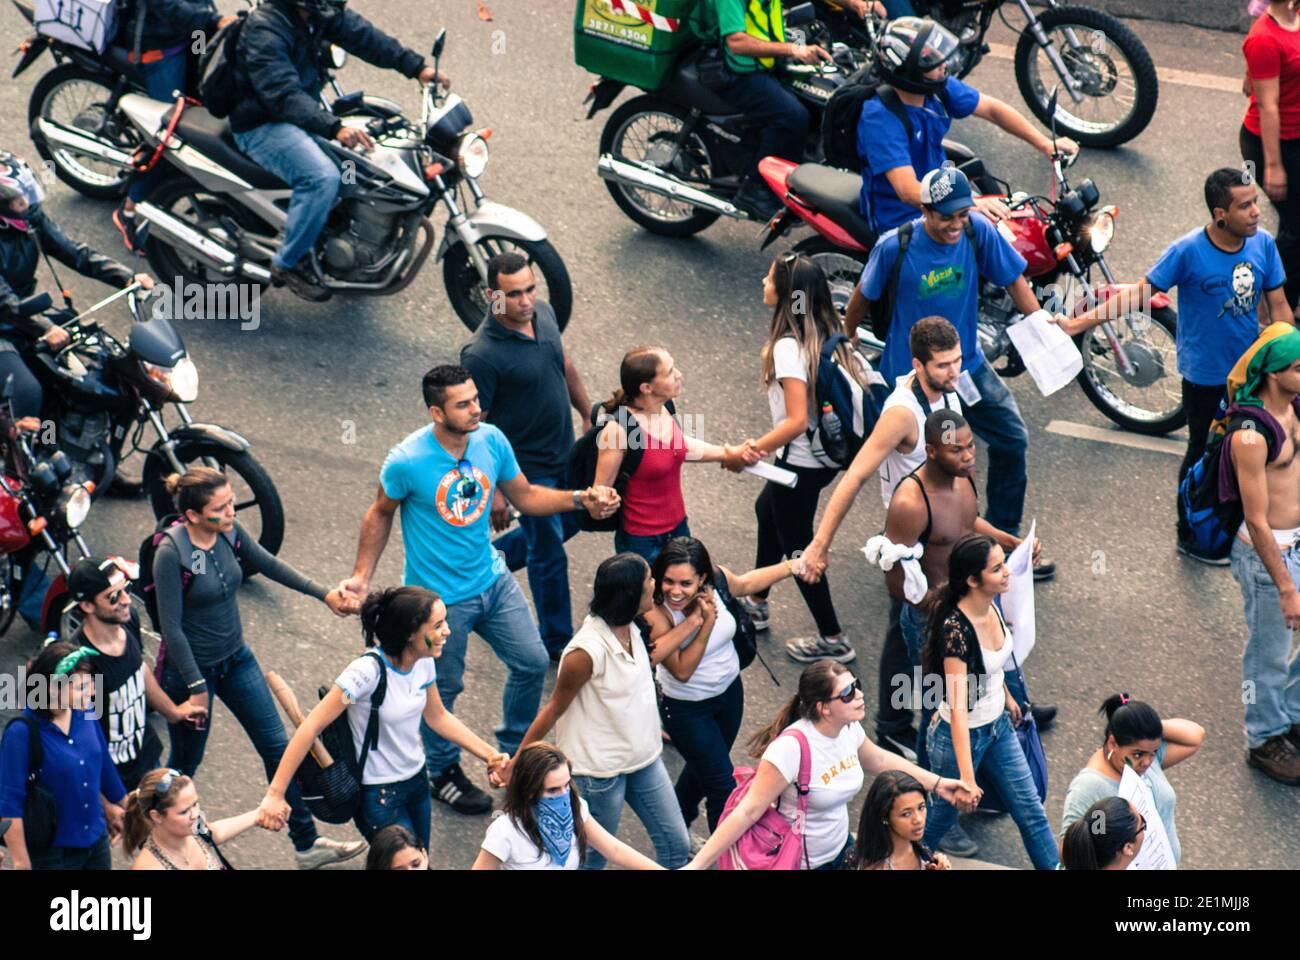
846,696
470,489
116,596
164,786
1142,826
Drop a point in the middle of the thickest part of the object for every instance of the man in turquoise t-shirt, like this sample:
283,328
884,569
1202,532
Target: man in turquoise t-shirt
443,479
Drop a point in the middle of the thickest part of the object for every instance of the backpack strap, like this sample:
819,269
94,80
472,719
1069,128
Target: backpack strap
892,102
35,752
803,786
891,287
371,737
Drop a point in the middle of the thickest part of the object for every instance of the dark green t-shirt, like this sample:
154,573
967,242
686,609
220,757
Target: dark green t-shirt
713,20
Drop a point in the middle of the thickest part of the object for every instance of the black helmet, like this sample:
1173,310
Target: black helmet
322,9
909,49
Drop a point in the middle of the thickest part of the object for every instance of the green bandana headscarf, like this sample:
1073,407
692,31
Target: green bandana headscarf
1270,356
68,663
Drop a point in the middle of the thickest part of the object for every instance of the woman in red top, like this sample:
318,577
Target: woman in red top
1270,133
653,510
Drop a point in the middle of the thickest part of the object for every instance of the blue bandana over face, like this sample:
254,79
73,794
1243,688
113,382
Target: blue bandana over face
555,824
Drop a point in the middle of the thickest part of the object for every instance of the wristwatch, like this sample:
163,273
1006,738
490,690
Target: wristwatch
577,499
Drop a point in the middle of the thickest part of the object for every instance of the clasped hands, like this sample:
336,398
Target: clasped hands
737,458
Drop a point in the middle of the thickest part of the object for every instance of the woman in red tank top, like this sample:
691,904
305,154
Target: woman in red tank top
653,509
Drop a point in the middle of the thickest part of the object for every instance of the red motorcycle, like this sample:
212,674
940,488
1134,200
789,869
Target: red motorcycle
1128,373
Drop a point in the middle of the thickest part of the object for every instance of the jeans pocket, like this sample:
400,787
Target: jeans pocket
596,786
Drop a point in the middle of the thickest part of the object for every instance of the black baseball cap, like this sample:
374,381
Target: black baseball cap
90,577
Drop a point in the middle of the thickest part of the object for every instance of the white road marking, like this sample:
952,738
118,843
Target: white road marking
1121,438
1185,78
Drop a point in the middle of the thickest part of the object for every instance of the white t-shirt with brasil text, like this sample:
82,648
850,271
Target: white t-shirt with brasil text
836,777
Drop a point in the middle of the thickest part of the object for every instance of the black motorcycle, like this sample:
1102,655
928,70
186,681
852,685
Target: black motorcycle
103,396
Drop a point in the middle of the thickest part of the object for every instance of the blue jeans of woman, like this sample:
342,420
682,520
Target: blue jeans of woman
996,751
94,857
406,802
238,682
648,546
649,793
703,732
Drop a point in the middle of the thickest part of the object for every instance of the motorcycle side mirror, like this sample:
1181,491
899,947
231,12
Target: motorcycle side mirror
1051,110
438,43
347,103
974,169
338,56
798,16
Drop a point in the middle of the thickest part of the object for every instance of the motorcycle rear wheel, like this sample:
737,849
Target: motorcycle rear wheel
662,122
1127,403
189,202
1129,77
77,97
468,293
257,502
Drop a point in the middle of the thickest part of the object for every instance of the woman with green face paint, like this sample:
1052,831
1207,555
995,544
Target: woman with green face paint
409,626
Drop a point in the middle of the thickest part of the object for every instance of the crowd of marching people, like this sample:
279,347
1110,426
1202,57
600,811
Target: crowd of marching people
658,651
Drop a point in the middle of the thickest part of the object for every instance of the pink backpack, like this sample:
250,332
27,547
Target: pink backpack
773,842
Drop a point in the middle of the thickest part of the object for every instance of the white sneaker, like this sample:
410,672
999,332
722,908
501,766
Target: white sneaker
812,649
757,610
325,851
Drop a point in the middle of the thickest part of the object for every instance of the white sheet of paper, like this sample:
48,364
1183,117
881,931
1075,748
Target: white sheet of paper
1018,602
1156,853
787,478
1048,352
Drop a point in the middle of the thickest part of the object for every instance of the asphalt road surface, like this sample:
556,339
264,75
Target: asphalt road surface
323,392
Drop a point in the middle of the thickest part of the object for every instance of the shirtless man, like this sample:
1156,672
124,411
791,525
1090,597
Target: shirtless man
1267,548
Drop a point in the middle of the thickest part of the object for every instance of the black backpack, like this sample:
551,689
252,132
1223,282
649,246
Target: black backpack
580,472
218,87
745,638
40,812
882,310
844,110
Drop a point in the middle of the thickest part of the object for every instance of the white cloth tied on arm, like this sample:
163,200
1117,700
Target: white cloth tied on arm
882,552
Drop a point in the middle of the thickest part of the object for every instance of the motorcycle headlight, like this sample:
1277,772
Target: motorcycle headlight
181,381
75,503
1101,230
472,156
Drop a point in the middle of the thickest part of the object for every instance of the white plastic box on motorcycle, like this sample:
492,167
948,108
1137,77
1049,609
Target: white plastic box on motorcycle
89,24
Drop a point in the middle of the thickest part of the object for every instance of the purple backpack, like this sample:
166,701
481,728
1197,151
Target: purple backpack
773,842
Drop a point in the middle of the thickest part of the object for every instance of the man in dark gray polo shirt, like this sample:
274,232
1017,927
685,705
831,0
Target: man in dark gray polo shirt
526,384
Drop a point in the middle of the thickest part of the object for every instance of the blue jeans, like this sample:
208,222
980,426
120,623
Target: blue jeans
703,732
97,856
500,616
995,751
36,583
160,78
538,543
914,624
1268,667
649,793
406,802
840,858
648,547
899,8
297,158
996,420
238,681
782,120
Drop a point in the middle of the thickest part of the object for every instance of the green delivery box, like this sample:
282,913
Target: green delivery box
635,41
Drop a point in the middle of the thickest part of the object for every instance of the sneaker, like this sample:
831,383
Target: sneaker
1044,715
757,610
812,649
454,789
1279,758
124,220
326,851
1045,571
957,843
757,201
1187,550
901,742
1294,735
299,284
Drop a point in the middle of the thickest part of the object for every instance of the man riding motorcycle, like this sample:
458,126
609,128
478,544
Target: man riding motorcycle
280,69
27,234
912,58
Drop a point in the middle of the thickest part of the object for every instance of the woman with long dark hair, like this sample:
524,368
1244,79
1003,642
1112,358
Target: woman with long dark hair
396,848
409,626
803,318
827,710
703,698
544,823
1135,736
1107,836
891,827
968,647
653,509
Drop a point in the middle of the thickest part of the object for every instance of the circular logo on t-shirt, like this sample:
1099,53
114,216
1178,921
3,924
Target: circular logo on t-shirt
461,500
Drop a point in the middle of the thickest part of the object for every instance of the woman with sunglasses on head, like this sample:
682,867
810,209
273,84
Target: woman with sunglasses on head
197,573
545,824
74,765
828,711
1107,836
699,676
891,827
396,848
967,649
803,318
165,829
1136,737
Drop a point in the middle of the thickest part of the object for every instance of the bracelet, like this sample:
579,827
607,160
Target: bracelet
937,781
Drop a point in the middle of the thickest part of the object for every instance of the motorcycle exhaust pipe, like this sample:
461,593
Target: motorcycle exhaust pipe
60,137
180,234
648,178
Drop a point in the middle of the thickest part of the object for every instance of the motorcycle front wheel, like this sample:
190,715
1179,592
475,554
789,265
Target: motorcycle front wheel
76,97
1119,84
257,502
467,290
1149,398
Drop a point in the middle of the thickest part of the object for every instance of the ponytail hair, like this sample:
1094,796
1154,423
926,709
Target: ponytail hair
816,685
1098,838
389,618
1130,720
640,366
194,488
969,557
136,826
